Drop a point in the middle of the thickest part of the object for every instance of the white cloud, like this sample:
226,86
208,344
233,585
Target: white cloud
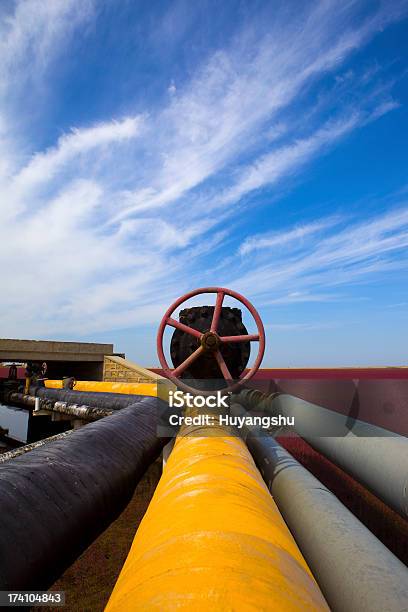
43,166
279,239
81,245
273,166
35,31
355,252
224,109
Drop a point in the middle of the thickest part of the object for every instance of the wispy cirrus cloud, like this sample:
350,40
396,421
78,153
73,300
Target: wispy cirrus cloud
79,141
242,89
272,240
111,210
315,261
36,31
71,151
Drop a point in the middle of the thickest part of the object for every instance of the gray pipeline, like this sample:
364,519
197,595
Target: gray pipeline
375,457
354,570
56,499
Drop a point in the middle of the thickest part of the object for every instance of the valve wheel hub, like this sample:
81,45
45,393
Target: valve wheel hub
210,341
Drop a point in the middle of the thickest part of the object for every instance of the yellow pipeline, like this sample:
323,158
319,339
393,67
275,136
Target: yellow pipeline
108,387
213,538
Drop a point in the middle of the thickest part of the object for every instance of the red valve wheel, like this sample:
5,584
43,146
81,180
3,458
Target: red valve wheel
210,339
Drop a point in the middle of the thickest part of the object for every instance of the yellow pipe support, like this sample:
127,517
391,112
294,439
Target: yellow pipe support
108,387
213,538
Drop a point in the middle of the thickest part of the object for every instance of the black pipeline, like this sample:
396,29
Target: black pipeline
79,411
108,401
22,450
56,499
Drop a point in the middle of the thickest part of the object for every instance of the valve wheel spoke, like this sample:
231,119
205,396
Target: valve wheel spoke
184,328
217,311
245,338
223,366
187,362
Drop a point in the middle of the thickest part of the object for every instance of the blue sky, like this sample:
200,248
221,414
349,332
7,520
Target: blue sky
147,149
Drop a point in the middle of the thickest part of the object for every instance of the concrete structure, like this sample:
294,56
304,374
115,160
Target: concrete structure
84,360
119,370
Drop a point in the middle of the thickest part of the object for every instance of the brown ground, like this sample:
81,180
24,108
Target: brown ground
88,583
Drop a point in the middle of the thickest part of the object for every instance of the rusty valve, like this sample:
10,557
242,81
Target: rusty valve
208,345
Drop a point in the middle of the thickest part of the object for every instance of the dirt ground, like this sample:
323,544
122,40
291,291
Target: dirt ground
88,583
